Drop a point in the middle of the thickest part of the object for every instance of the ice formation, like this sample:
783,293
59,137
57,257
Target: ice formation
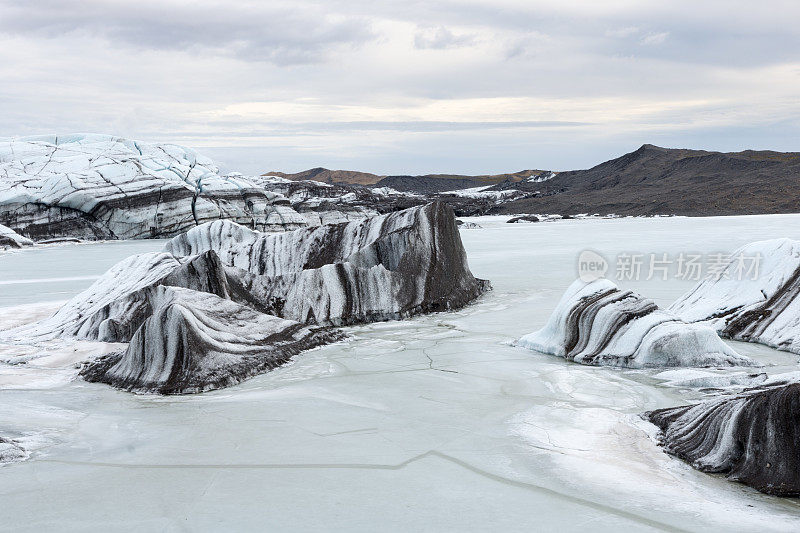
195,341
752,437
754,298
596,323
11,239
710,379
114,307
11,452
103,187
383,268
324,203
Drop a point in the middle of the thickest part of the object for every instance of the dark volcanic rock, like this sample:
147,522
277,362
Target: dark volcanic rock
335,177
424,183
428,184
752,437
194,342
525,218
662,181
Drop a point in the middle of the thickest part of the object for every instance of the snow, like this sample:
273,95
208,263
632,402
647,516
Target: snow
387,192
433,423
482,192
542,177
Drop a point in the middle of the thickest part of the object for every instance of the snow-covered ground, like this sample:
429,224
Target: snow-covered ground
482,192
434,423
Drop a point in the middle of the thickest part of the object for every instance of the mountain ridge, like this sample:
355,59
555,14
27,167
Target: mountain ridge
672,181
651,180
448,181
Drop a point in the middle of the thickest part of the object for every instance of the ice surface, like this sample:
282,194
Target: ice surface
431,424
59,271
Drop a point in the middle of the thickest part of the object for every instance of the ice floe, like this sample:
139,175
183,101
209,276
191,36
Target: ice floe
752,437
753,297
596,323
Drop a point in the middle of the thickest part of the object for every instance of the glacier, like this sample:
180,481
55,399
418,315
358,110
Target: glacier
94,186
102,187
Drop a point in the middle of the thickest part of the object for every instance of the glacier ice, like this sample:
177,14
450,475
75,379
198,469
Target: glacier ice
387,267
383,268
11,239
95,186
596,323
759,306
752,437
194,341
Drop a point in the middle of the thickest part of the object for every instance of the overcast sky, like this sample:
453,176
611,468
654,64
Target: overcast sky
466,86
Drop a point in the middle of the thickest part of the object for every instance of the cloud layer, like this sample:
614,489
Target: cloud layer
418,86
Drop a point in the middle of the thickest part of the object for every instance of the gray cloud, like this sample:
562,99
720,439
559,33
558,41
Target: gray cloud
412,126
440,38
280,34
355,83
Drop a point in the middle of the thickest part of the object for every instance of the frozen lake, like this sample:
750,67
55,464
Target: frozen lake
429,424
58,272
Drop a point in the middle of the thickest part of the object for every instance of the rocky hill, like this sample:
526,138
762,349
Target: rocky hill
654,180
350,177
426,184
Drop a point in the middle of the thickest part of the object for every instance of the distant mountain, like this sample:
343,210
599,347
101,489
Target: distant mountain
654,180
428,183
351,177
